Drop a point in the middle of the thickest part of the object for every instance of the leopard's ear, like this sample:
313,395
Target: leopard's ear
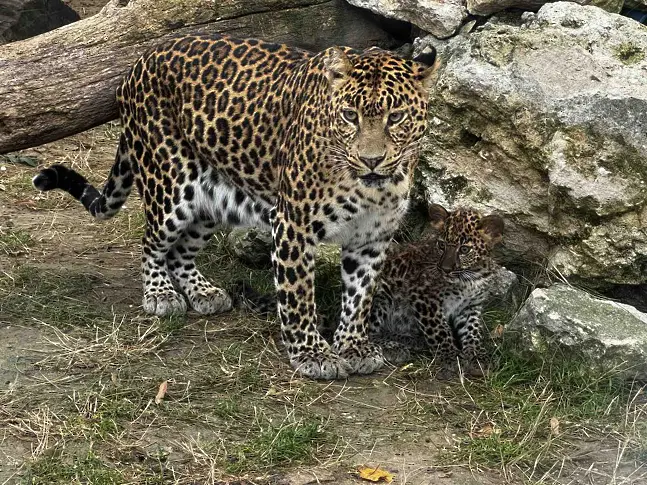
437,216
337,67
429,64
492,228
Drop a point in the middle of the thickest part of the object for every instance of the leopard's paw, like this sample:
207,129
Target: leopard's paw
162,303
209,301
321,365
364,359
395,353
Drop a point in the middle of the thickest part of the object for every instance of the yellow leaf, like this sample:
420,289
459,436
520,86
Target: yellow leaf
485,431
161,392
272,391
374,474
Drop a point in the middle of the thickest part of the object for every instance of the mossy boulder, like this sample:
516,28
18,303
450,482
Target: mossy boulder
562,320
543,119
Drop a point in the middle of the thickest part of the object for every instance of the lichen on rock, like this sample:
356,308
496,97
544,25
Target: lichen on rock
567,320
546,115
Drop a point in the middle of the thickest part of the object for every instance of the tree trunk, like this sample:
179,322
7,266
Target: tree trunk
63,82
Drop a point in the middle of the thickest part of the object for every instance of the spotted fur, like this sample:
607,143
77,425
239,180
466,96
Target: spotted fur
431,293
319,147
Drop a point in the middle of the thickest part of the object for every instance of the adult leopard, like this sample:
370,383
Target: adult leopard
321,147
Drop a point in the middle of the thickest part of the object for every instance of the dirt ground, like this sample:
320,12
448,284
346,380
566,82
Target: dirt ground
80,367
87,8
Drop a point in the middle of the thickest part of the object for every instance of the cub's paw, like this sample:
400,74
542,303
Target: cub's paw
363,359
461,366
473,366
210,301
395,353
321,365
164,303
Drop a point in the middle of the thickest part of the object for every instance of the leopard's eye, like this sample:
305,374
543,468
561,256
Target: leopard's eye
465,249
396,117
349,115
441,245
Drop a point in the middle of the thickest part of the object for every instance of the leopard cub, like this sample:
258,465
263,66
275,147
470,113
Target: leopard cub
431,293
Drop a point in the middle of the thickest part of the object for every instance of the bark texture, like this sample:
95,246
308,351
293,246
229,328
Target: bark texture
63,82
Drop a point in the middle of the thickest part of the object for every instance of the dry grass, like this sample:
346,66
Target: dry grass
84,366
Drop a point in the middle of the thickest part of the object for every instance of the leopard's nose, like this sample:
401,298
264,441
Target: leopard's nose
446,266
372,162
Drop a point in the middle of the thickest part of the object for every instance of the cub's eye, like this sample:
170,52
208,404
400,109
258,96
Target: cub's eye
441,245
465,249
349,115
396,117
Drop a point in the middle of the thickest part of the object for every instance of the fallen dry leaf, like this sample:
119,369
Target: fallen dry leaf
272,391
161,392
28,203
374,474
554,426
498,332
484,431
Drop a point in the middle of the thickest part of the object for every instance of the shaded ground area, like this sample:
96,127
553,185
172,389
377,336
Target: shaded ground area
81,365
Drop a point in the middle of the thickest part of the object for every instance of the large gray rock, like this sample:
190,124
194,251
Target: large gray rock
488,7
543,120
21,19
441,18
564,319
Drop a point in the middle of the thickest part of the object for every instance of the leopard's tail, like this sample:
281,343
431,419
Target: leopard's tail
102,205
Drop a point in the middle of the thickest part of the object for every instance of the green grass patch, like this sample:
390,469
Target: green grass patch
14,243
56,298
276,446
79,469
220,264
528,412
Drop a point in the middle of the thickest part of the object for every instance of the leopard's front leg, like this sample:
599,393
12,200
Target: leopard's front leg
293,258
469,329
360,266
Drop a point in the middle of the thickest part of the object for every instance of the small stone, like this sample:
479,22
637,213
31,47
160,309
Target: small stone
442,18
252,247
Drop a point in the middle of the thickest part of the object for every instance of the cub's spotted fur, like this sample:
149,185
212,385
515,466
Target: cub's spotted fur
431,293
319,147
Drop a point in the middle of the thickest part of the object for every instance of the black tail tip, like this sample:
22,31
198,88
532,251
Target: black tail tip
47,179
427,56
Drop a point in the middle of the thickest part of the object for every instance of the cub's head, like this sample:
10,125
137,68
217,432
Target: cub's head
379,112
465,239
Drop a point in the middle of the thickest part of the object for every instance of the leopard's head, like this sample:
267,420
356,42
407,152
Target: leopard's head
465,240
378,113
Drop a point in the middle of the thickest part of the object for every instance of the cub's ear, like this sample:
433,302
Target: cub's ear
430,63
437,216
492,228
337,67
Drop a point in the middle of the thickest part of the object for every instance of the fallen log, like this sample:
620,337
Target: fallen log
63,82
